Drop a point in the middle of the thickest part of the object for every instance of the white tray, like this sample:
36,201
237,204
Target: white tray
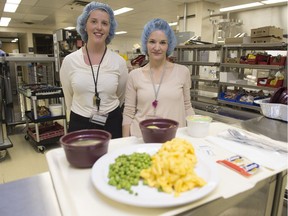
273,110
77,196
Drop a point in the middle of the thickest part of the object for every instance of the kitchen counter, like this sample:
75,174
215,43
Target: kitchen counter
33,196
275,129
71,192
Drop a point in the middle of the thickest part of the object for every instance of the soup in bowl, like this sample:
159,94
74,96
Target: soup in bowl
84,147
158,130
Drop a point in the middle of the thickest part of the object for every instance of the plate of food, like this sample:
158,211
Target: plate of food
202,178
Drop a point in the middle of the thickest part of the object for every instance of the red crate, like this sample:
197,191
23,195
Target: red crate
251,61
47,132
277,60
262,59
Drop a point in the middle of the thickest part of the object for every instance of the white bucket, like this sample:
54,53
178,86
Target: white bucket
55,109
198,125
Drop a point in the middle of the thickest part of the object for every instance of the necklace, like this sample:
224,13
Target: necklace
156,91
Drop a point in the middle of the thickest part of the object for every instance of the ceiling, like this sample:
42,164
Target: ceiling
56,14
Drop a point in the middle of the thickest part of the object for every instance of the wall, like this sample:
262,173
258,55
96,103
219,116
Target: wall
202,26
124,44
25,36
9,47
273,16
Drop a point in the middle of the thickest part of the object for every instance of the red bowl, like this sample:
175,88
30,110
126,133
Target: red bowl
165,130
84,147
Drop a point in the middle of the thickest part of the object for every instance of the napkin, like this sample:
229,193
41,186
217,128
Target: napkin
269,159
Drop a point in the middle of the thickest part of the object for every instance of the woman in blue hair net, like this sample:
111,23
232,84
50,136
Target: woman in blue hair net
94,78
160,88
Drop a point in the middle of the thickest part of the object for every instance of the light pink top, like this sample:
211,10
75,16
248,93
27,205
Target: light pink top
174,100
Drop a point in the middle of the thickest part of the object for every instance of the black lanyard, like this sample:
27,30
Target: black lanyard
96,98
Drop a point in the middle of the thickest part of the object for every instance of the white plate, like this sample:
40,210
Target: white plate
147,196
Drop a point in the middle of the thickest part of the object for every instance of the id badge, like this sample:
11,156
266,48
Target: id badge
99,118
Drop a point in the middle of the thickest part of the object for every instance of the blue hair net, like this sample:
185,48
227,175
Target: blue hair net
82,19
158,24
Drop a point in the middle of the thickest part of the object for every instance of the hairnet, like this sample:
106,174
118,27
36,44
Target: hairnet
158,24
82,19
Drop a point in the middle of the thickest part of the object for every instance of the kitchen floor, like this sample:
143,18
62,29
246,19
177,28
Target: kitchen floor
22,160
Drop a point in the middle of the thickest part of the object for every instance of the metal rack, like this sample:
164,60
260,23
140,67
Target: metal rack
205,91
4,140
42,133
23,69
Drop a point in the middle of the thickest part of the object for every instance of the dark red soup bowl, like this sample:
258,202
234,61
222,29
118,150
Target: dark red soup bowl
158,130
84,147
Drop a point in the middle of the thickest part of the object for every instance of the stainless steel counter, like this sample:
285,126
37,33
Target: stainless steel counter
32,196
275,129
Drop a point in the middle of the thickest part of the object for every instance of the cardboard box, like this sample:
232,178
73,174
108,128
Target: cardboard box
238,40
232,60
267,31
265,40
227,76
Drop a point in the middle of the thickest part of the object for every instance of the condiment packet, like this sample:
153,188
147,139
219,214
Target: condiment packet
241,165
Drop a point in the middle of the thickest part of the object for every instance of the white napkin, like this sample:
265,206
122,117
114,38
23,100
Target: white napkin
268,159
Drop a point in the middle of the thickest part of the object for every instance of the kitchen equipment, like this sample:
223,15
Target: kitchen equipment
84,147
158,130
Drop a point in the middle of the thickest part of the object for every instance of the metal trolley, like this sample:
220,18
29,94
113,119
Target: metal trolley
43,129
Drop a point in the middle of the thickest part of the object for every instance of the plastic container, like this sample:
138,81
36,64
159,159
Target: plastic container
198,125
55,109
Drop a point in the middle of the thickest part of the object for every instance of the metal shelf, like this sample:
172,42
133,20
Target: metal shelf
199,47
253,66
247,86
30,58
199,63
223,50
240,105
203,79
258,46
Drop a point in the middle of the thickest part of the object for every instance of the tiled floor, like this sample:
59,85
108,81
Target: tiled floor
22,160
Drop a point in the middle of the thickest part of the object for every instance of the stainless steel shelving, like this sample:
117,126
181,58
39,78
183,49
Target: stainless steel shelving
190,55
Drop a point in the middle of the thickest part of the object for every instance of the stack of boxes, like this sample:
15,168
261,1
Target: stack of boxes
267,34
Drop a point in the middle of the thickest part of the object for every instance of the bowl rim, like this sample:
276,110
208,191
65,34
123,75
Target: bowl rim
159,119
209,119
62,142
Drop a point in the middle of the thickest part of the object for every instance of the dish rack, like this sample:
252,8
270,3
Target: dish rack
43,128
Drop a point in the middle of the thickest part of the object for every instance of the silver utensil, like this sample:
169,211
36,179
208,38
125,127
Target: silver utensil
259,143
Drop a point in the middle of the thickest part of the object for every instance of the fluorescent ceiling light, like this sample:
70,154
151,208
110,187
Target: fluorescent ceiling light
13,1
70,28
120,32
4,21
173,23
10,7
273,1
237,7
122,10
